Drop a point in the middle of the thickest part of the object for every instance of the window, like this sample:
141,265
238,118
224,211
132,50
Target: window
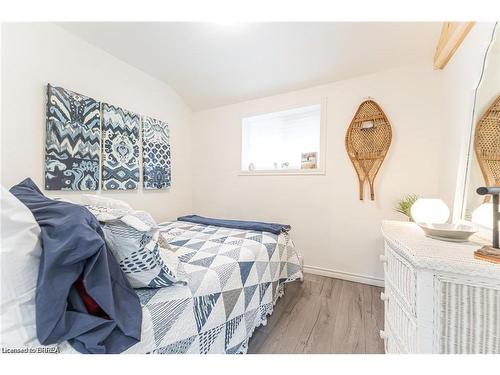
282,141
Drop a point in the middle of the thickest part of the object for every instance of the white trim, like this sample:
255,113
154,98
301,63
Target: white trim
283,172
363,279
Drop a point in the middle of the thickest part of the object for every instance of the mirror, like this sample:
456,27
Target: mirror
485,136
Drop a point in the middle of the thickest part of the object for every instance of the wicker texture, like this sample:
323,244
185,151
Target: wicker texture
393,347
451,302
367,147
402,277
487,144
402,324
425,252
469,319
392,344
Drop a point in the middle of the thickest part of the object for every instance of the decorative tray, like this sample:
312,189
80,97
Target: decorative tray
448,232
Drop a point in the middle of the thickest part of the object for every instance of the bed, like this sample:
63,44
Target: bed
235,277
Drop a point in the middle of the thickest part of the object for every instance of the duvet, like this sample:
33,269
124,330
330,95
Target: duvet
234,279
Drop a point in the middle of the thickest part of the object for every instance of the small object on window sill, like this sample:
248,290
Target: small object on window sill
251,167
309,160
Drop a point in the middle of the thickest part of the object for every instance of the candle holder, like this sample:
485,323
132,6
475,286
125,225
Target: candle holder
491,253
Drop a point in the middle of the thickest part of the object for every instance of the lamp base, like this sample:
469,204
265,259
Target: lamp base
488,253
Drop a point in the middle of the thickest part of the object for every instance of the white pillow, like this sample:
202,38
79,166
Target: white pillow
100,201
20,252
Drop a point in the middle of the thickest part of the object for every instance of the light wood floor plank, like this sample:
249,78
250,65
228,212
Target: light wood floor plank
323,315
266,338
321,337
373,319
349,335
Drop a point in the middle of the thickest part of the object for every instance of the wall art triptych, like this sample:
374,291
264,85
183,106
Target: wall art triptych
120,149
73,138
73,148
156,153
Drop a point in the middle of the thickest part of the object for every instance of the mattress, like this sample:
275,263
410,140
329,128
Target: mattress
235,278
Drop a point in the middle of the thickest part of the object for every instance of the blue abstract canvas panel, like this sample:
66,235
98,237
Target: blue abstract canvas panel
72,144
120,149
156,153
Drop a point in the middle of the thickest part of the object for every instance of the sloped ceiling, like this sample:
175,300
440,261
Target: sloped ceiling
211,64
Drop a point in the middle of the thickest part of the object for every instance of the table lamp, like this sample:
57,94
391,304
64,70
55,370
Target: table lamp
430,210
491,253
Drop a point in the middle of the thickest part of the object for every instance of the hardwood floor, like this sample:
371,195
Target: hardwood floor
323,315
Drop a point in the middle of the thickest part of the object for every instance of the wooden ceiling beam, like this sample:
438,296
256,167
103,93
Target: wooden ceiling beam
452,36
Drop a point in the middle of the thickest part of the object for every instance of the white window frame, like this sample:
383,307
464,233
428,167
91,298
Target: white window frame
291,172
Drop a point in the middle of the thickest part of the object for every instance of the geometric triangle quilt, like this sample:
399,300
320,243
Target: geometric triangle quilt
232,288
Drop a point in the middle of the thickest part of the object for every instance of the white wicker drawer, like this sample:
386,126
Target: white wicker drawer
392,346
391,342
400,321
401,275
439,298
468,316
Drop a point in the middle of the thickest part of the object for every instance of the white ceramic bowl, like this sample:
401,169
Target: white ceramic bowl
448,232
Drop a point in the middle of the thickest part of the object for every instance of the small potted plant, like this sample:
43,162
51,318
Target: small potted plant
404,205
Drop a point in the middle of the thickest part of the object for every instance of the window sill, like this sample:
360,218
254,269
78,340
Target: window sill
288,172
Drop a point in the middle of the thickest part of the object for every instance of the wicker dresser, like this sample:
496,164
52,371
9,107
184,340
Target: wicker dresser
438,298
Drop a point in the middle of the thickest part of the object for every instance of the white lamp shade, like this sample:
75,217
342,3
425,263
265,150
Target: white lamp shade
430,210
483,215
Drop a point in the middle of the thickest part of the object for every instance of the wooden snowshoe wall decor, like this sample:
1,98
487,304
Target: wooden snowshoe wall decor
487,144
367,141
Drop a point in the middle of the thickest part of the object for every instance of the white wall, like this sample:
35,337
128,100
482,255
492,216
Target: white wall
460,79
36,54
336,232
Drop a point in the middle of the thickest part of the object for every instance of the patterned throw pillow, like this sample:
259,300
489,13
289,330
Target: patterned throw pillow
134,239
104,202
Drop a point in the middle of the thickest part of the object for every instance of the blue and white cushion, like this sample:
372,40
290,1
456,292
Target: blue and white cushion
134,239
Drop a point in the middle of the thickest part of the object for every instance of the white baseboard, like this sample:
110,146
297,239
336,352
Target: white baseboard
376,281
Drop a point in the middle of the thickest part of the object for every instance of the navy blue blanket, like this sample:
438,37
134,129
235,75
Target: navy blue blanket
237,224
73,246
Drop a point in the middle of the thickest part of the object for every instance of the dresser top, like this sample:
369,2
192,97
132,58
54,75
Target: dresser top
410,241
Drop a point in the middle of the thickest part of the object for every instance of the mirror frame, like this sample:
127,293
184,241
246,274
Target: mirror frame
468,144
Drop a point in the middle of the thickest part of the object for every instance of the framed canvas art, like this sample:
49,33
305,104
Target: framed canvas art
120,148
72,144
156,153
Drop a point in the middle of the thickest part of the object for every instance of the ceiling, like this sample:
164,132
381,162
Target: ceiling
212,64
